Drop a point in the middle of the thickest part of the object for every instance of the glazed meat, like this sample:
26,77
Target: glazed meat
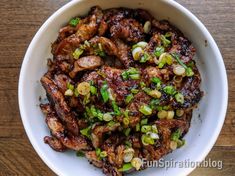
121,87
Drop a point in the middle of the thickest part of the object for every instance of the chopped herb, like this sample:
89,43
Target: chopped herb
176,135
76,94
129,98
189,71
86,132
146,90
145,58
144,122
146,110
80,154
170,90
98,151
158,51
165,41
125,167
70,86
128,143
146,128
127,131
132,73
154,103
146,140
74,21
93,90
103,154
137,127
142,84
107,117
134,91
126,121
179,98
111,123
116,108
104,92
77,53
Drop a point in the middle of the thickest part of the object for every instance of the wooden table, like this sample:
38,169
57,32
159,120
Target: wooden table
20,19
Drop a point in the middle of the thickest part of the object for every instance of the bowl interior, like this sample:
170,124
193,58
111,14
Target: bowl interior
207,118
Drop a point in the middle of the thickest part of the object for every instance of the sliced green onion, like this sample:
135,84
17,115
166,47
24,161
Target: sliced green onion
147,27
77,53
93,90
154,135
80,154
165,41
86,132
146,140
137,52
158,51
128,143
126,121
180,143
128,155
125,167
112,123
107,117
68,92
155,93
98,151
74,21
103,154
70,86
165,58
162,114
179,112
136,163
142,84
134,91
154,103
189,72
93,111
154,129
135,76
179,70
129,98
170,90
104,92
144,122
146,128
137,127
116,108
145,58
127,131
179,98
176,135
146,110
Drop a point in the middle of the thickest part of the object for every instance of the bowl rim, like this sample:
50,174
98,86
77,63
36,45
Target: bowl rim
176,5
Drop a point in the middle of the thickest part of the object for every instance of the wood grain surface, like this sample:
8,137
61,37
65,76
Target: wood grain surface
19,21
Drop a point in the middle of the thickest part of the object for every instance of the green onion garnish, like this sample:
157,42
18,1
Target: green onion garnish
176,135
170,90
93,90
127,131
74,21
146,128
144,122
158,51
146,110
77,53
125,167
129,98
116,108
134,91
165,41
179,98
104,92
86,132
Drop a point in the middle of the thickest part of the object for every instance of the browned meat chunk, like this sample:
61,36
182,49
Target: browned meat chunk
61,107
129,30
86,63
54,143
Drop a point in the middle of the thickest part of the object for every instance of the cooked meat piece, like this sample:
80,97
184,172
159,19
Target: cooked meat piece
61,81
124,53
68,140
61,107
99,130
85,30
103,27
139,100
92,157
54,143
129,30
107,46
191,91
123,103
85,63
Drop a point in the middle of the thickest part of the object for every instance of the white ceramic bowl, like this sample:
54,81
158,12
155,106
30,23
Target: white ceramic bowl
212,109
